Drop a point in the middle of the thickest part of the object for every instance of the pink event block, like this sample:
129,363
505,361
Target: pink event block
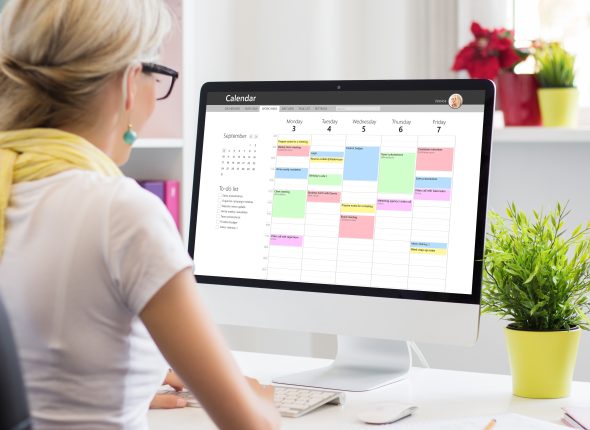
323,196
435,159
293,151
394,205
356,226
286,240
432,194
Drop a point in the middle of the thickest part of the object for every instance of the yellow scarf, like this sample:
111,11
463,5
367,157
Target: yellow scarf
36,153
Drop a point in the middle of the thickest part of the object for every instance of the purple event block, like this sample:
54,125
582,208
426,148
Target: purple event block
394,205
432,194
286,240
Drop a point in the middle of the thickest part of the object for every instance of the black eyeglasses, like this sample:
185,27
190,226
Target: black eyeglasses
164,82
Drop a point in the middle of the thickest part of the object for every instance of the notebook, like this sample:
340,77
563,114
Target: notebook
503,422
577,417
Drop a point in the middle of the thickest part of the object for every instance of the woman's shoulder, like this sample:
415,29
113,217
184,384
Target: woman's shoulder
131,204
128,192
120,189
121,194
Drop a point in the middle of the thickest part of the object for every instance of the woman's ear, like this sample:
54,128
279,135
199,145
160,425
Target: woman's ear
131,85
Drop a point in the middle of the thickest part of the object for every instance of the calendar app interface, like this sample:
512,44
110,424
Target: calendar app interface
362,188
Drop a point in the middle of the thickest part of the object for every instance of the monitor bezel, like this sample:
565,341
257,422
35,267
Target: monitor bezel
451,85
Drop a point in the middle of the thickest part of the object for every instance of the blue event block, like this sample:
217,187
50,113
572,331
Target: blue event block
435,183
290,173
361,163
435,245
331,154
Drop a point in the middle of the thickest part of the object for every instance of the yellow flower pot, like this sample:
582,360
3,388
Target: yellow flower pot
542,362
559,106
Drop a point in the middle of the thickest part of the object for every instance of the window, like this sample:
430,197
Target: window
566,21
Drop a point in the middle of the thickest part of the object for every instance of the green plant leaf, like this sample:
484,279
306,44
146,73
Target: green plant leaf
555,68
535,275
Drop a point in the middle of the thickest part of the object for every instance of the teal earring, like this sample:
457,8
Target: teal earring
130,136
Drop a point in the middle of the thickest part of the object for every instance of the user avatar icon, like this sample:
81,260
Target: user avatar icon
455,101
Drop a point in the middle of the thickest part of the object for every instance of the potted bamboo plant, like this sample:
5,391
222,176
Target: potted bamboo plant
558,97
538,280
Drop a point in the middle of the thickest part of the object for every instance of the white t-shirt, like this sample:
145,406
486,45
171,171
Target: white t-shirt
83,255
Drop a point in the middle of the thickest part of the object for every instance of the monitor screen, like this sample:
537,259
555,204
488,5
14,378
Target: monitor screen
363,188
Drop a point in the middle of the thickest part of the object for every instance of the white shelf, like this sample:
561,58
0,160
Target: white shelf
541,135
159,144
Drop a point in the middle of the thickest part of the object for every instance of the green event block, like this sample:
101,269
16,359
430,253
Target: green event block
397,172
324,179
289,203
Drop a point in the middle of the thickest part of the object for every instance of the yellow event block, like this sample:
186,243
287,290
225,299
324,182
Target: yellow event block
327,159
428,251
357,208
292,142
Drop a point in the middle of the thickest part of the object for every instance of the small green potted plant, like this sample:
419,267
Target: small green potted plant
558,97
538,280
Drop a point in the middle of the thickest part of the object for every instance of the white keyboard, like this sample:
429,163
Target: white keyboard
295,402
291,402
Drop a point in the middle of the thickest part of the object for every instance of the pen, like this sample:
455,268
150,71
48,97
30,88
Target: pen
491,424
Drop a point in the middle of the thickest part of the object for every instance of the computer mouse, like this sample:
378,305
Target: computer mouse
385,412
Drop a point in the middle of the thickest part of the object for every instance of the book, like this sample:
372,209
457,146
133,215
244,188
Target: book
169,192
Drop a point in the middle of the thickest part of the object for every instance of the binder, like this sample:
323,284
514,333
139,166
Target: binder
172,200
169,192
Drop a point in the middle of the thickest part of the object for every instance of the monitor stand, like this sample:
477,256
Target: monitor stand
361,364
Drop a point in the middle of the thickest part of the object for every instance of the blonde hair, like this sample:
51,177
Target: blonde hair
57,55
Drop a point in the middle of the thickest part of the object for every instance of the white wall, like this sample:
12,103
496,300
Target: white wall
326,39
378,39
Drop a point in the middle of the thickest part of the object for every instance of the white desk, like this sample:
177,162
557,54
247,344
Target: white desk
439,394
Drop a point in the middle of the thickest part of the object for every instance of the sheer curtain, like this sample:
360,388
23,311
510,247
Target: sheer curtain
331,39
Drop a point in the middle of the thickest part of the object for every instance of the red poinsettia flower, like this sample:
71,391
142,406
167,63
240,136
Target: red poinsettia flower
491,51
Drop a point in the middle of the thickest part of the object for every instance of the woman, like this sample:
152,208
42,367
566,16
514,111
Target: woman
89,260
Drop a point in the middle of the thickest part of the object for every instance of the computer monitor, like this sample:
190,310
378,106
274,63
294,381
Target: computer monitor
354,208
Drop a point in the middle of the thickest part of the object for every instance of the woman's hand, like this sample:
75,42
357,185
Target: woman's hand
169,401
173,380
267,392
